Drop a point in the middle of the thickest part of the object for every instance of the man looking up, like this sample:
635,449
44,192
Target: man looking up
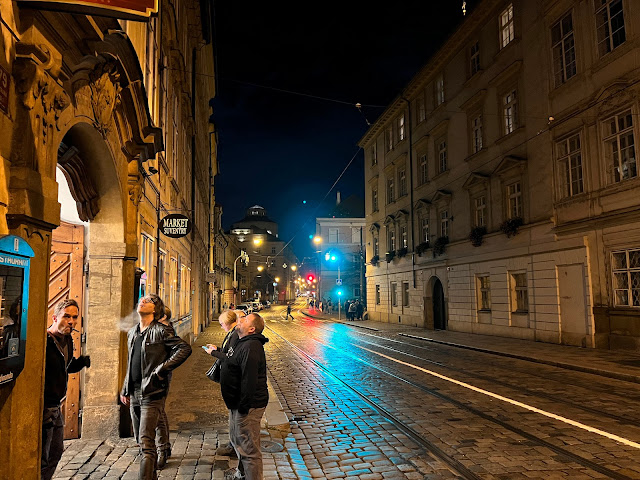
228,321
59,364
243,381
154,351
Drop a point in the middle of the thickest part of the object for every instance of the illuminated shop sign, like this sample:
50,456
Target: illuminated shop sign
175,225
125,9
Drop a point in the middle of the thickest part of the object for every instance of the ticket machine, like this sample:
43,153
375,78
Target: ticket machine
15,260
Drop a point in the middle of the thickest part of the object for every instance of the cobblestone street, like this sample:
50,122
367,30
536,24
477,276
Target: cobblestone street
367,401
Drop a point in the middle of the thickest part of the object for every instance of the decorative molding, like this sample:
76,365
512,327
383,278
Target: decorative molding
105,95
81,186
475,179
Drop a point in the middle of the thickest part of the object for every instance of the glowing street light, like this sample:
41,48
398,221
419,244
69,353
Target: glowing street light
260,268
294,268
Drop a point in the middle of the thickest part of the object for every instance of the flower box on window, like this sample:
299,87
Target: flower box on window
390,255
511,225
402,252
440,246
422,247
375,259
476,235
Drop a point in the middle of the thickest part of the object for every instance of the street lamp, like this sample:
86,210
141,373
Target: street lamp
245,258
260,268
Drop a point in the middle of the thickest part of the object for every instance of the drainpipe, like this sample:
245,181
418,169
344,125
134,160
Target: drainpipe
413,245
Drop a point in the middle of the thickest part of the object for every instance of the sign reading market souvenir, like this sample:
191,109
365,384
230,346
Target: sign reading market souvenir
175,225
125,9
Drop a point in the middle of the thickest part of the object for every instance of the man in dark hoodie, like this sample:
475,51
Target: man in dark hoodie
243,381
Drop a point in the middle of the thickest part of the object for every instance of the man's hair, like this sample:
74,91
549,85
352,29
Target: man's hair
158,310
257,322
167,313
228,317
68,302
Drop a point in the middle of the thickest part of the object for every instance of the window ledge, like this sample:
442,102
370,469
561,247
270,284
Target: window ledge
484,311
520,312
508,47
515,133
478,154
471,79
441,174
614,55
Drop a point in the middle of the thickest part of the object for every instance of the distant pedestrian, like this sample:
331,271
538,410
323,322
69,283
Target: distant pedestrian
224,307
60,362
352,310
289,312
359,309
243,382
228,321
154,351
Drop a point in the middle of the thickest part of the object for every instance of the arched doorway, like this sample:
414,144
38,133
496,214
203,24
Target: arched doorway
439,310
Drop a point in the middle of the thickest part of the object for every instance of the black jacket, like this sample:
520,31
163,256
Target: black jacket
243,375
162,351
56,372
230,340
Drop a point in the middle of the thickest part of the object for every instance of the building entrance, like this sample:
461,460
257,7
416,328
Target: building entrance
439,310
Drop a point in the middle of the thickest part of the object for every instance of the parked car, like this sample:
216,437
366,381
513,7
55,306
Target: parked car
246,307
257,306
266,304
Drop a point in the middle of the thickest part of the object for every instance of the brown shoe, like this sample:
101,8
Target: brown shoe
162,459
226,451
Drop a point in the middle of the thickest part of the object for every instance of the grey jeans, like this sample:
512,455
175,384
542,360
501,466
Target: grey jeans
162,432
52,441
244,431
145,412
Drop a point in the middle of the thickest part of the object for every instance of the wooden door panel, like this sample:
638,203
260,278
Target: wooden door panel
66,281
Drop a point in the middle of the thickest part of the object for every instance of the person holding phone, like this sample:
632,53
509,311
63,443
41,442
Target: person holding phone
228,321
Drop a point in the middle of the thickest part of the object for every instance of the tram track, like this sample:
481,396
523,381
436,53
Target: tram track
427,444
494,380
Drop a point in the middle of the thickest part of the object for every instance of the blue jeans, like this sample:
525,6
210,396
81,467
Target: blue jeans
244,431
145,412
52,441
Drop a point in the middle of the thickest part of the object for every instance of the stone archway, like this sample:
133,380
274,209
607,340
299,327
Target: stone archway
435,305
91,173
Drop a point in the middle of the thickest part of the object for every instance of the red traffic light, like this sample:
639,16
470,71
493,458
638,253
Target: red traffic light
310,277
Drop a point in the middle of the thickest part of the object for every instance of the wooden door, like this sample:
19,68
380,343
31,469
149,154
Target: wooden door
65,281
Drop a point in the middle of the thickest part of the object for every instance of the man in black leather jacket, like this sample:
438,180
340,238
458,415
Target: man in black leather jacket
154,351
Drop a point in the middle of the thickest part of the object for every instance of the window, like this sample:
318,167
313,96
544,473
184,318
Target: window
374,199
355,235
444,223
273,250
610,25
442,155
519,295
389,138
422,109
403,236
401,128
423,169
570,166
480,205
424,229
405,294
484,292
173,284
390,190
394,294
439,90
476,133
474,59
376,246
402,182
146,257
161,276
507,33
514,200
373,152
563,50
356,291
333,235
626,278
619,146
391,239
510,112
377,294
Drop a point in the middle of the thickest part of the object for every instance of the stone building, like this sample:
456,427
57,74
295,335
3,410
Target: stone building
342,247
272,260
502,182
121,110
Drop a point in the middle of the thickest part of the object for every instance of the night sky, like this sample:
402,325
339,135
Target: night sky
276,148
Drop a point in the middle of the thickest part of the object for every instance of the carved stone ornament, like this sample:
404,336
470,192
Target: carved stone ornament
35,71
105,94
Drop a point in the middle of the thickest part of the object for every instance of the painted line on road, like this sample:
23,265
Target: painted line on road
560,418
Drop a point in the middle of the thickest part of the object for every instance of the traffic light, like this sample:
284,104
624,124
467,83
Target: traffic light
311,277
339,292
332,256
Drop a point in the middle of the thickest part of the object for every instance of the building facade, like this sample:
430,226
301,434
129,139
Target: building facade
273,264
501,182
116,107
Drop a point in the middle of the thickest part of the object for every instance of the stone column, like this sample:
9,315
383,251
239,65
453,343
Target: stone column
32,213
